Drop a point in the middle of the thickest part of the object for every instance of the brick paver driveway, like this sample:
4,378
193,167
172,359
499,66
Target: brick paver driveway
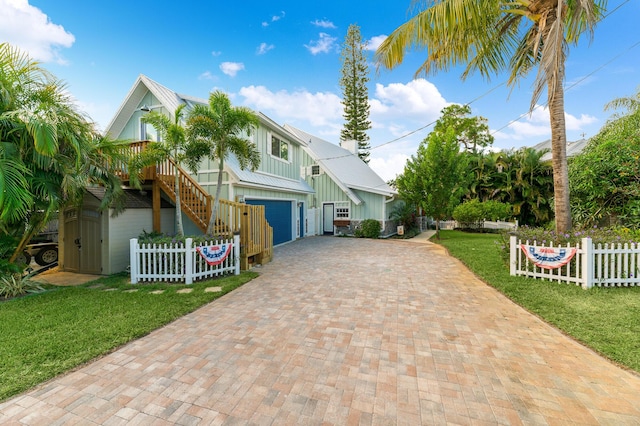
346,331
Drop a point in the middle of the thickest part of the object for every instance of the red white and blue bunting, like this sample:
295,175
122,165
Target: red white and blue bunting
549,257
215,255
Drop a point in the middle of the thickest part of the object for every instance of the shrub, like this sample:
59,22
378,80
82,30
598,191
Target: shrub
368,228
404,215
14,285
471,213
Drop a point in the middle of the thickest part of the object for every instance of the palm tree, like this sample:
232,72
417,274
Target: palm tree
216,131
490,36
173,137
49,152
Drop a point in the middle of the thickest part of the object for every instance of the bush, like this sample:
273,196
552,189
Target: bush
471,213
368,228
14,285
404,215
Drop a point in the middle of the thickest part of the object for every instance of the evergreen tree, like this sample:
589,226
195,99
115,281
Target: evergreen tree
355,96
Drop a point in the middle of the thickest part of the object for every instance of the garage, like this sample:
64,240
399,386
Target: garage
279,215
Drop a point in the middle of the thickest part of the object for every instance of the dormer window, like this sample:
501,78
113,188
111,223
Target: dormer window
279,148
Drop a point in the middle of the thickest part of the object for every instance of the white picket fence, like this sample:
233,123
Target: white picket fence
485,224
608,265
180,262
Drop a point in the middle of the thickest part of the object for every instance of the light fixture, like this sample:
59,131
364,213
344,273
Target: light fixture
145,108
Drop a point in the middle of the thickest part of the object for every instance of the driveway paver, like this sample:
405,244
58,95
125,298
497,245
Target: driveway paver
348,332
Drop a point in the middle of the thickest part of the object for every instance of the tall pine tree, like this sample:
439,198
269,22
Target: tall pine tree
355,96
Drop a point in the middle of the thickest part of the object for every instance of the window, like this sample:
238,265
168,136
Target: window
315,170
279,148
342,210
148,132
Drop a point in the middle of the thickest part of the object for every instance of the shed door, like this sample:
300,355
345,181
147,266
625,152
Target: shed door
280,216
327,219
82,242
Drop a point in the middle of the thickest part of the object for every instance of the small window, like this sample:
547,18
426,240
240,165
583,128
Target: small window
279,148
342,210
315,170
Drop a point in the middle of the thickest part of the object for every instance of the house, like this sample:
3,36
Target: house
276,184
347,190
573,148
303,186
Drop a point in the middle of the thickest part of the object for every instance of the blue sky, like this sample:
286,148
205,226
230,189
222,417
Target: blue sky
283,58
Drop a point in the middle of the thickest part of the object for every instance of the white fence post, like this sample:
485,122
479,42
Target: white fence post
236,253
133,260
188,261
512,254
587,263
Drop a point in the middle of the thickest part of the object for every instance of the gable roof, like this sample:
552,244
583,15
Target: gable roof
170,100
347,170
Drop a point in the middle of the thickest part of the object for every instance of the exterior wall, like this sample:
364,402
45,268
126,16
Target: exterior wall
132,128
119,230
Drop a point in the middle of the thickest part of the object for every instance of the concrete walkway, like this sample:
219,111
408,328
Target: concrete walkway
342,331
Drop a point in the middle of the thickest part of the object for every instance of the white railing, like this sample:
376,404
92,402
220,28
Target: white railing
486,224
608,265
181,262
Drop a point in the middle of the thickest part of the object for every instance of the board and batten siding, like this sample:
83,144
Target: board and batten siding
269,164
120,229
371,208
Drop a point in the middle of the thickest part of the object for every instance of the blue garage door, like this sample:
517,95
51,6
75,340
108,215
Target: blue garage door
278,214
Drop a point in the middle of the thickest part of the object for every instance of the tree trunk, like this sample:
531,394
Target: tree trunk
180,231
216,200
559,151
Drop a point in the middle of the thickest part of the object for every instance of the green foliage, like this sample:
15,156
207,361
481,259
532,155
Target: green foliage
355,96
471,132
405,215
368,228
605,177
472,212
14,285
216,131
154,237
49,151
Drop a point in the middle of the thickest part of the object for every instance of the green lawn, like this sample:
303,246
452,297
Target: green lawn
605,319
46,334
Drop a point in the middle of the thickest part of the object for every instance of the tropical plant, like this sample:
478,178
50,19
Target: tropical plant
49,152
495,35
473,212
14,285
404,214
216,131
172,146
355,97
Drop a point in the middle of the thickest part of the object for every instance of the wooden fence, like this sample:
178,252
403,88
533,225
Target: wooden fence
184,262
601,265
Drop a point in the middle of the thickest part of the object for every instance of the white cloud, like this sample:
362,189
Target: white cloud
207,76
216,53
231,68
388,167
317,109
28,28
324,44
419,101
536,125
264,48
323,23
274,18
374,42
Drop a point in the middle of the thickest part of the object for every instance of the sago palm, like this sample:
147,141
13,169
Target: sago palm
491,36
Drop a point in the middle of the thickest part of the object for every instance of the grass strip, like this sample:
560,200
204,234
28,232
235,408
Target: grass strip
46,334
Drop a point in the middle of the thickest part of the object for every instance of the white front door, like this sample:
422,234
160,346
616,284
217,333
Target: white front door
327,218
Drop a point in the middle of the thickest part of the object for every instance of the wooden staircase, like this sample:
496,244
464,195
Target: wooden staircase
256,235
